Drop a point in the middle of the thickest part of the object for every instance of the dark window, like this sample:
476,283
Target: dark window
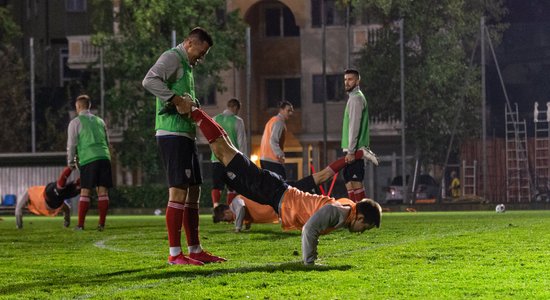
208,98
335,88
205,89
289,24
274,91
65,73
334,13
273,22
283,89
75,5
279,21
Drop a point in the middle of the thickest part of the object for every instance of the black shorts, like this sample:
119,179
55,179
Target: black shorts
55,197
274,167
179,156
354,171
258,185
97,173
306,184
219,176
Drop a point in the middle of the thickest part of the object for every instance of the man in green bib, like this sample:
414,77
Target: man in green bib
171,80
234,126
88,144
355,135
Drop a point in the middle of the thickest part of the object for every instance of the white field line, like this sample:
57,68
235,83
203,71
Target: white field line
102,244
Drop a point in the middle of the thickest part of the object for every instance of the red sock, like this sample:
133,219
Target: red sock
191,225
209,128
62,180
174,217
216,196
230,196
340,163
83,205
351,195
359,195
103,206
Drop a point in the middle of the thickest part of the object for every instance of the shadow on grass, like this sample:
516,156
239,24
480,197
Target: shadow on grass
261,234
156,273
176,272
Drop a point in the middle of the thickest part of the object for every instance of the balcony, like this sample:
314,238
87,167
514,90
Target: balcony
365,34
81,52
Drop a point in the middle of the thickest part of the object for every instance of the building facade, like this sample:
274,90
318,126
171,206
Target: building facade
287,59
286,39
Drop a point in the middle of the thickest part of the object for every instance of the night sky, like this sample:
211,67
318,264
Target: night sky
524,60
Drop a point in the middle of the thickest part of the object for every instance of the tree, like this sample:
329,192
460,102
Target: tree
14,106
440,37
145,32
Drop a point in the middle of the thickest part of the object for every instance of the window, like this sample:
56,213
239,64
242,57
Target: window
207,97
29,9
335,14
65,73
278,89
279,21
335,88
75,5
205,90
36,7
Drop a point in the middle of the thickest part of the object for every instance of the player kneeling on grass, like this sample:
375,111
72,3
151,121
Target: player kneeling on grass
50,199
313,214
246,211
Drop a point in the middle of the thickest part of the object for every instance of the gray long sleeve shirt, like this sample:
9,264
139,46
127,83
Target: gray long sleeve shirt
19,209
168,68
329,216
355,106
238,207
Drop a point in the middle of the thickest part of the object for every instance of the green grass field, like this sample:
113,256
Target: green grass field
446,255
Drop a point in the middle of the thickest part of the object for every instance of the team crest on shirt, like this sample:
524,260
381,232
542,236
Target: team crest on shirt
188,173
231,175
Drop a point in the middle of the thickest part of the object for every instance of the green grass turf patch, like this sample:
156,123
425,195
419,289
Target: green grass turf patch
445,255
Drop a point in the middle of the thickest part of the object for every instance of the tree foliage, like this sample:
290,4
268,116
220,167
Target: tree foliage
14,106
440,38
145,32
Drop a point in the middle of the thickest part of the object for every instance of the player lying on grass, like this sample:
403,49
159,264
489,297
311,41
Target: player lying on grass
50,199
313,214
245,211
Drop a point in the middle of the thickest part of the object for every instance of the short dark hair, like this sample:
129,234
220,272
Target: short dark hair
218,212
234,102
371,211
202,35
352,71
284,103
84,99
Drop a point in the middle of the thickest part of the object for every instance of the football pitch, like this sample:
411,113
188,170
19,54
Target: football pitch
443,255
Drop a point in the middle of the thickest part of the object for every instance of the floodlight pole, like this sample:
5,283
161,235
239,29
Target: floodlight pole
248,84
102,82
402,88
33,110
174,43
348,39
324,82
483,108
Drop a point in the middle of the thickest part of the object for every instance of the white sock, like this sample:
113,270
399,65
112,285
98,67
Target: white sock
195,249
174,251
